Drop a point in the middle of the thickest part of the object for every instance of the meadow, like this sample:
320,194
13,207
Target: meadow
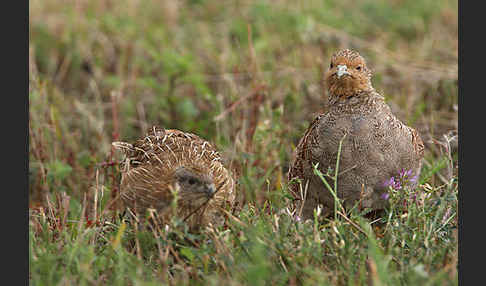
247,76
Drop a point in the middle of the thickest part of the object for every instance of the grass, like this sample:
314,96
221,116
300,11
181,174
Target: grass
248,77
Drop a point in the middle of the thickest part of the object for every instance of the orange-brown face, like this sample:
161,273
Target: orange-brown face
347,75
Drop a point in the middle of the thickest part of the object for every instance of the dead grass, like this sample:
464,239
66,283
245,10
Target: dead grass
248,77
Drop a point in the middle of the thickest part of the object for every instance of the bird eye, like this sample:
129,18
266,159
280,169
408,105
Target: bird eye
192,181
332,65
358,67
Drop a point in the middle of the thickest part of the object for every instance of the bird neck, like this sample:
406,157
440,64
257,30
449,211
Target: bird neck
349,96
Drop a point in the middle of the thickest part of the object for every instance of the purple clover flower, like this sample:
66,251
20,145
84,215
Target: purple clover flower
405,173
398,182
403,178
297,218
395,184
389,182
414,179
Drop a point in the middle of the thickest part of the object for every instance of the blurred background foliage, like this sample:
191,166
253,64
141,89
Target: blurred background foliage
246,75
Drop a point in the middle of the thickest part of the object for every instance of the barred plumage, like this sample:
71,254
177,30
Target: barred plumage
170,163
377,145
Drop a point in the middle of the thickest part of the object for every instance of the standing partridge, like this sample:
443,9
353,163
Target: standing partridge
376,145
171,164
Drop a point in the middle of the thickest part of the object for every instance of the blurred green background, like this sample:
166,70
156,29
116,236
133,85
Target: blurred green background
247,76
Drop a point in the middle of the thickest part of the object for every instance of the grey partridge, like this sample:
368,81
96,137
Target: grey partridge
171,164
375,144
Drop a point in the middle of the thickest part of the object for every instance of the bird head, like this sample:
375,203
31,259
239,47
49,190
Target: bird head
347,75
193,184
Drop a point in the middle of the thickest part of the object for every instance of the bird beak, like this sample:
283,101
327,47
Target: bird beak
210,190
342,70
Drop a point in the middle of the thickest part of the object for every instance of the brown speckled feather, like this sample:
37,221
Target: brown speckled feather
148,175
302,154
377,145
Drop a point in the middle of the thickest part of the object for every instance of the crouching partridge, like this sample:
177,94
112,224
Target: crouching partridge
168,165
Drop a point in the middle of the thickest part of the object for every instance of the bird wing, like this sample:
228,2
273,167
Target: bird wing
301,156
417,142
